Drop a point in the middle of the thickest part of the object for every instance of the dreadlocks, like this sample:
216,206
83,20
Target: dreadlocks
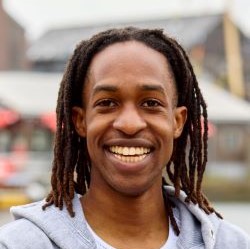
70,152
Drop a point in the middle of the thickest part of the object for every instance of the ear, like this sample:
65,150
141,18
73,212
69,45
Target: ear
78,118
180,119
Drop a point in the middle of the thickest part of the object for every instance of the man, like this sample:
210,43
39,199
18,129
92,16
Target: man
128,106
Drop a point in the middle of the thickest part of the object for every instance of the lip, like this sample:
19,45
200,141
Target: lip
133,142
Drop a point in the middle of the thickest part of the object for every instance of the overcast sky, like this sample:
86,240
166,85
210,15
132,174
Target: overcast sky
36,16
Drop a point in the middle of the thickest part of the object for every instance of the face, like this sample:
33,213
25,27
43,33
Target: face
129,118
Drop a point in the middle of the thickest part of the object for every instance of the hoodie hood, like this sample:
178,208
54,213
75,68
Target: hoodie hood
197,229
64,231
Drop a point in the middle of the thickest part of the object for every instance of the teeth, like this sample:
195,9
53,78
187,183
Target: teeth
130,159
137,150
129,151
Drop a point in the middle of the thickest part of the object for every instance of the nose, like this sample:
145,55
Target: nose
129,121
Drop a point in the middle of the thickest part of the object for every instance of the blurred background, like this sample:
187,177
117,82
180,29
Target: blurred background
36,40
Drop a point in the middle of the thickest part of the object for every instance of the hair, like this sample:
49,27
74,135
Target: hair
72,165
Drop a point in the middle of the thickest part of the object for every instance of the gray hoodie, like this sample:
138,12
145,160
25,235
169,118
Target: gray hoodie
51,229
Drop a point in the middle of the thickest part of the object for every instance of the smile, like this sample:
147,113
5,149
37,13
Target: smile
129,154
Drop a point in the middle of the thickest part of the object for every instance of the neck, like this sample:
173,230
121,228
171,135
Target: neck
128,217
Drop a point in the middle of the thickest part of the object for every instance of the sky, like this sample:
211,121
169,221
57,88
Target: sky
37,16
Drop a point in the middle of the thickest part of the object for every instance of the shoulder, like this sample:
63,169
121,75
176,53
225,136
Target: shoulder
46,229
231,236
21,234
196,225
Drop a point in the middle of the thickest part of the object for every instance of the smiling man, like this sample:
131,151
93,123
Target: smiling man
129,106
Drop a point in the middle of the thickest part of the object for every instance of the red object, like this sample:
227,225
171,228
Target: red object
8,117
211,128
49,120
6,168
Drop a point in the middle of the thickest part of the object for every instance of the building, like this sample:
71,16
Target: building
13,45
26,142
229,141
202,36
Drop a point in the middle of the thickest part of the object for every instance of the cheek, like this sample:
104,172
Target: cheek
96,128
166,149
94,123
163,130
163,126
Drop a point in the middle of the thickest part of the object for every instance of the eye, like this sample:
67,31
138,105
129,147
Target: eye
151,103
106,103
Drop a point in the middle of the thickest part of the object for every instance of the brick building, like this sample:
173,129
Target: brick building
13,44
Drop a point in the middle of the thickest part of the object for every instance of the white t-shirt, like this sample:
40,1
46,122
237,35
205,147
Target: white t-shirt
170,243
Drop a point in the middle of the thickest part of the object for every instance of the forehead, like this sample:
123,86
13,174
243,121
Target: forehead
129,63
124,56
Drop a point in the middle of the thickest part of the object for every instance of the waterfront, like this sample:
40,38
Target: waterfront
236,213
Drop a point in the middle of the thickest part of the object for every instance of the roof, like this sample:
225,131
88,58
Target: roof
32,94
58,44
223,106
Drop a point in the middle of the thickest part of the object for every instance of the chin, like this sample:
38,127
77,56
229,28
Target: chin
131,190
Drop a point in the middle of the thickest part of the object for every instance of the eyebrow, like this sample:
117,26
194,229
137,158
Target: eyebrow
105,88
149,87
